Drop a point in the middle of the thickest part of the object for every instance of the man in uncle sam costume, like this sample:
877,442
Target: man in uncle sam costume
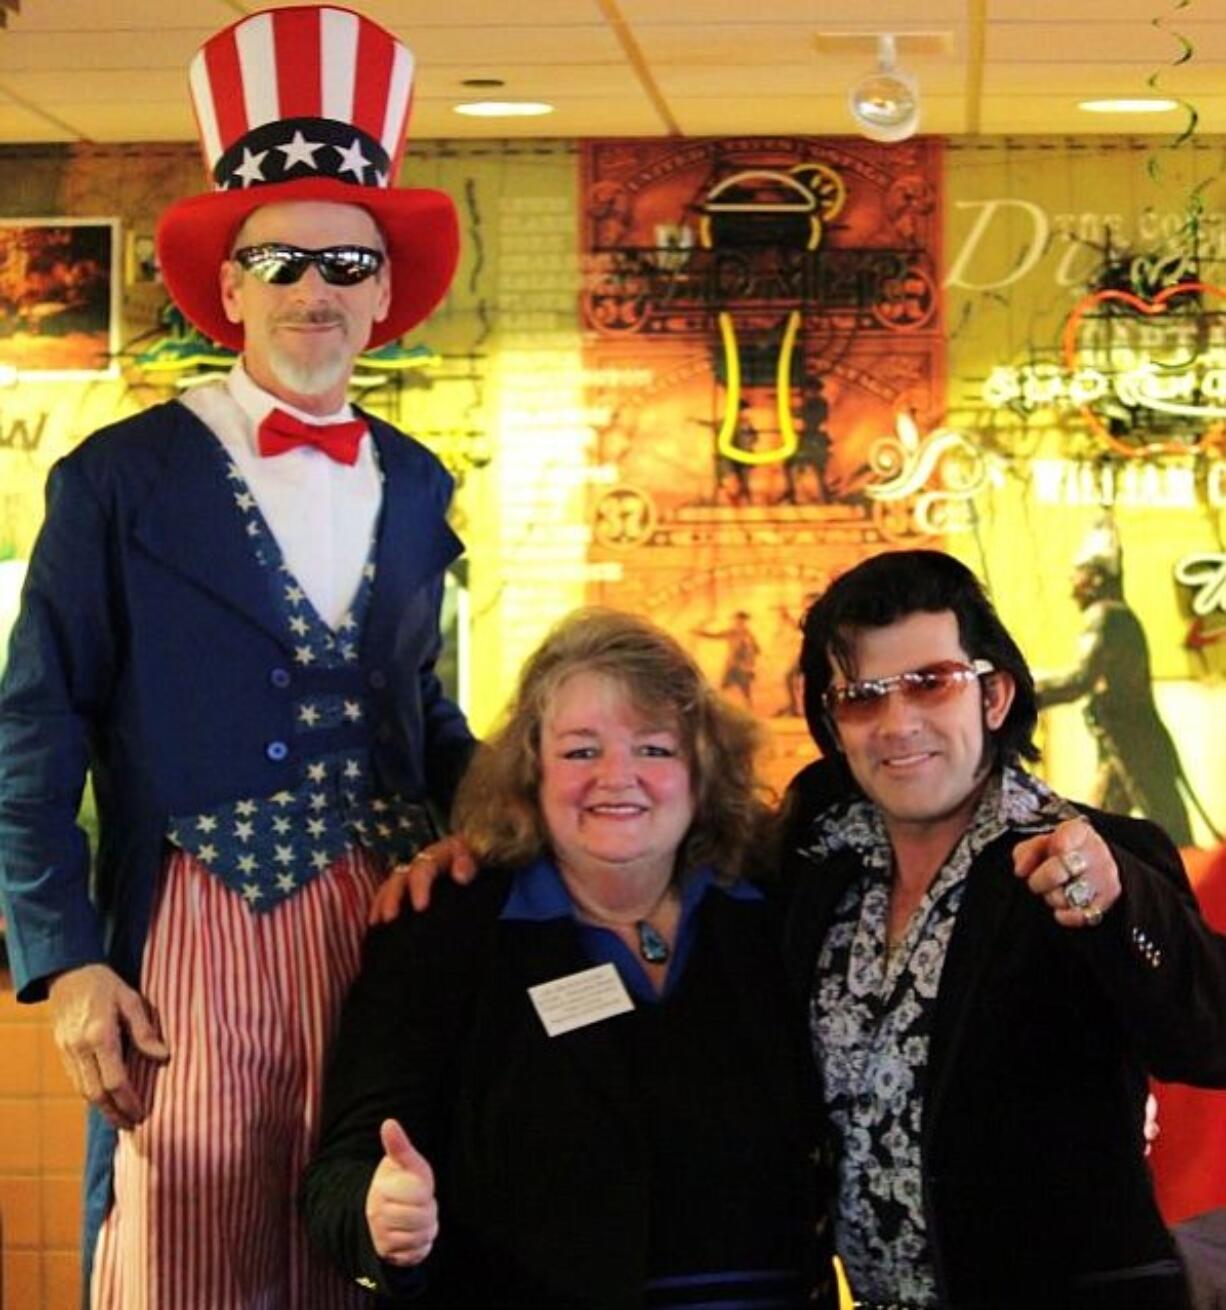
231,621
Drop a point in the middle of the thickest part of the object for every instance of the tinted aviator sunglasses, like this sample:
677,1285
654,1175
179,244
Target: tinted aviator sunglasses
282,265
864,699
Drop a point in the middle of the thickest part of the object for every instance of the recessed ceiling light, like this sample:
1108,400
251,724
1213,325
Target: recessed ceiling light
503,108
1148,105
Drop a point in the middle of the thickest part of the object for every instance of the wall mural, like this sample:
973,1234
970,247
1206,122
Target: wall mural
699,377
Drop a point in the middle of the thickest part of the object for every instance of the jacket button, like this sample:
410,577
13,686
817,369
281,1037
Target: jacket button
276,751
279,677
377,679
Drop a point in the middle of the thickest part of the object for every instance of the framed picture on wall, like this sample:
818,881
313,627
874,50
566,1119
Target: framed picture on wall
12,575
59,297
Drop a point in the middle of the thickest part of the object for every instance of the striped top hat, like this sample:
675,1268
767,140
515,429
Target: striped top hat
309,102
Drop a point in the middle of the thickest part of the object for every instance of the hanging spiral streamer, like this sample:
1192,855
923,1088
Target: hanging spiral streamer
1196,203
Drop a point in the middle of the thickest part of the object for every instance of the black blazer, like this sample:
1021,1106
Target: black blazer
1036,1192
540,1168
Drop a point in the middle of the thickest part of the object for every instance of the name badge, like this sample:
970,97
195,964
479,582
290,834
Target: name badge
580,999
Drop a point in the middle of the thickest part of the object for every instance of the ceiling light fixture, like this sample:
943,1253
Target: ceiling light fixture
885,103
1140,105
503,108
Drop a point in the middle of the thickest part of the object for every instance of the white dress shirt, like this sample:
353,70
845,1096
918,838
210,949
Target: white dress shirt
321,512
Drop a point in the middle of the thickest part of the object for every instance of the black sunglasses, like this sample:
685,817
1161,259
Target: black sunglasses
282,265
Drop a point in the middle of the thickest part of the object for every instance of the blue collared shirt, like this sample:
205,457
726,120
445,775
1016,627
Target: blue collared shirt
538,894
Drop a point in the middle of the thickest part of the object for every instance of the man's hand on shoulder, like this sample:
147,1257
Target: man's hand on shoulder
1073,870
91,1009
449,855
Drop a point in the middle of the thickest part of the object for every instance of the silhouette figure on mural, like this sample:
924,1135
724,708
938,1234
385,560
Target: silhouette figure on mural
790,625
743,652
1138,763
734,480
805,471
733,485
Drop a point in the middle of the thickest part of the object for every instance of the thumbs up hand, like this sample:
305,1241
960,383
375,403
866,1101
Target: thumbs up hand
401,1212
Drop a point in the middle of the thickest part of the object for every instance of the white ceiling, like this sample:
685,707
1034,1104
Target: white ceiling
114,70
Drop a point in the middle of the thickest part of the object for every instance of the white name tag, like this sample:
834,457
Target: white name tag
579,999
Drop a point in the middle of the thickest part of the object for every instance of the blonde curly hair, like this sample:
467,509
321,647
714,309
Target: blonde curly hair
497,807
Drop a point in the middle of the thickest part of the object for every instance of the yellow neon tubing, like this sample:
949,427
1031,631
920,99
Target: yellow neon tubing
783,395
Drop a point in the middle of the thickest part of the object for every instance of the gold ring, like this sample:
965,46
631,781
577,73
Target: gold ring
1093,915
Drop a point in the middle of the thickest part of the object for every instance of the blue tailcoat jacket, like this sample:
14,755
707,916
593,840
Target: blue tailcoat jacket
149,650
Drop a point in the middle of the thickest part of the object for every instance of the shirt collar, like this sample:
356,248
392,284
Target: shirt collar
256,403
538,893
1013,800
1027,803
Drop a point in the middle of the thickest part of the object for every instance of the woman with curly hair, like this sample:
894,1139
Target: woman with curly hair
581,1080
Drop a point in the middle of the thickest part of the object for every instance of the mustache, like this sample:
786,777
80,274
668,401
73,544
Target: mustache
319,317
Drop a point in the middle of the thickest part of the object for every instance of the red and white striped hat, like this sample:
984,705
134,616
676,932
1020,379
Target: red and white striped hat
305,103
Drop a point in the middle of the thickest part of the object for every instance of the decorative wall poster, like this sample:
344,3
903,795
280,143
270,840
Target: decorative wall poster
764,357
58,297
1087,362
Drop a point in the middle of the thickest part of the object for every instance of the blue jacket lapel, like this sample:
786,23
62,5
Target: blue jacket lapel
189,522
414,541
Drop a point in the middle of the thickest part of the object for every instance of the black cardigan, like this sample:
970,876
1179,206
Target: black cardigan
439,1033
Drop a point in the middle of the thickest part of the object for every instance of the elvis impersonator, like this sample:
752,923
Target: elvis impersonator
231,622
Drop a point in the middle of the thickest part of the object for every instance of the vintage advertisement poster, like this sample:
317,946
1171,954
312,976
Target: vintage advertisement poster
763,350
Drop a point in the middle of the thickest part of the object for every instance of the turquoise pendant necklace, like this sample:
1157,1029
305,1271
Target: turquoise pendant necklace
652,946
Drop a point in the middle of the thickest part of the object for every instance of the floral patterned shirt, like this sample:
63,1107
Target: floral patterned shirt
870,1019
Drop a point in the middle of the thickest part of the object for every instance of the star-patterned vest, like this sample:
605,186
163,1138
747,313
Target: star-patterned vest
266,847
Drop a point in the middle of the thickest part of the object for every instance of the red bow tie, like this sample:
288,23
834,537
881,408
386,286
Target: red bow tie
280,432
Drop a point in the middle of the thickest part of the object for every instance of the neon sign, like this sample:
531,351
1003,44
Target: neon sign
1206,575
1139,381
1148,484
1172,389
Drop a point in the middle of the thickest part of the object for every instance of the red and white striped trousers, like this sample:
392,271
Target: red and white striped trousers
204,1214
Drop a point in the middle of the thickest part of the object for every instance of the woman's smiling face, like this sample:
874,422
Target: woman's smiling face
615,788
